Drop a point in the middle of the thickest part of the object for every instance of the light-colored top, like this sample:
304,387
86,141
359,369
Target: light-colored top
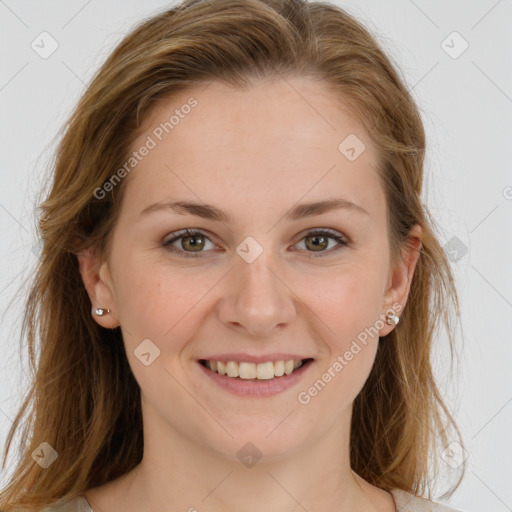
405,502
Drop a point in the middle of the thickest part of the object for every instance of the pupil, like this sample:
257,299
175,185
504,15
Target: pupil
316,242
192,241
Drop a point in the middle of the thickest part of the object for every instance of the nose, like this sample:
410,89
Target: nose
256,298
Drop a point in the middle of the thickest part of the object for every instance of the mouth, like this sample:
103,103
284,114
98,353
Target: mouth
255,380
248,371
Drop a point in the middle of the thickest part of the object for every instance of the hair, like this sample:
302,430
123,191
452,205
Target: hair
83,399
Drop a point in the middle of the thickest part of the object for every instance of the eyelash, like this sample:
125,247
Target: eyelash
342,241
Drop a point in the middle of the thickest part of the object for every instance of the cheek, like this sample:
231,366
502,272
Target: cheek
348,304
160,302
140,298
347,299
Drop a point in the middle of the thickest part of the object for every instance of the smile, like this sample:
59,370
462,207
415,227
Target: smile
260,371
255,379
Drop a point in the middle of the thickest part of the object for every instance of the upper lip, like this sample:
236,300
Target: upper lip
254,358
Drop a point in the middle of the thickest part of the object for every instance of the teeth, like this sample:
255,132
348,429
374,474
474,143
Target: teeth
262,371
246,370
288,366
279,368
232,369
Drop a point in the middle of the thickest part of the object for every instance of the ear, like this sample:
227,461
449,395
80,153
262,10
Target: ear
400,278
96,278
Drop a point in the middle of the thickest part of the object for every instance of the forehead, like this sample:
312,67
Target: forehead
277,140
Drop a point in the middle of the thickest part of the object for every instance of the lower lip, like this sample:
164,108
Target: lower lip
256,388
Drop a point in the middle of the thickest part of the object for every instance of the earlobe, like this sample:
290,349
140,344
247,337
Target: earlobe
96,280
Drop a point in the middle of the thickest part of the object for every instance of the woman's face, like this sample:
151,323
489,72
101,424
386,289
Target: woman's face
262,281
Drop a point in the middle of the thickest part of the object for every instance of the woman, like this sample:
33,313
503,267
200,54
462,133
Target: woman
239,283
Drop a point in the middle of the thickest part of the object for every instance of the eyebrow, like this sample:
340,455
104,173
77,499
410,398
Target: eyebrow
207,211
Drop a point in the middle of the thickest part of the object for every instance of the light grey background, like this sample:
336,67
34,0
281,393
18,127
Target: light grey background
466,104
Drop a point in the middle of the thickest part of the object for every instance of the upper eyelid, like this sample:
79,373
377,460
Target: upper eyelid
182,233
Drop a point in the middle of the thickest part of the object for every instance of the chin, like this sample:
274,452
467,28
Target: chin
258,442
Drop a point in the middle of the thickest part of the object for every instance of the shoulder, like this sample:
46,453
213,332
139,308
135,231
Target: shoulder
407,502
79,504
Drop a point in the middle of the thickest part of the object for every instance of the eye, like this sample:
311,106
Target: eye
194,241
318,241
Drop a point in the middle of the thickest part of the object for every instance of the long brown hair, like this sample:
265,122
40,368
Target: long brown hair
84,401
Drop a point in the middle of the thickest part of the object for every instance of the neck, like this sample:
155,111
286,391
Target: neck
178,473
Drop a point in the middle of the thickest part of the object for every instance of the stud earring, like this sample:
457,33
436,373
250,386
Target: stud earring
101,311
392,319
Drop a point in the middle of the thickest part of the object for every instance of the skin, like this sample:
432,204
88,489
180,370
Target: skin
254,154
